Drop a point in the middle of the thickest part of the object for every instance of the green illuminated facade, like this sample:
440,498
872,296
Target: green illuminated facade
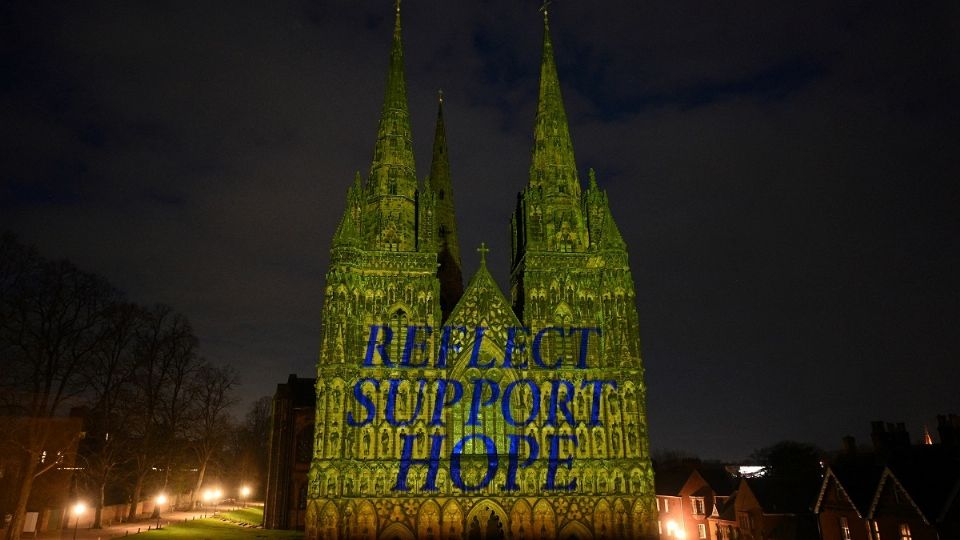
396,261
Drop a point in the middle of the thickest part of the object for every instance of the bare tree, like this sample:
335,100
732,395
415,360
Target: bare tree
166,359
50,317
248,446
108,375
211,396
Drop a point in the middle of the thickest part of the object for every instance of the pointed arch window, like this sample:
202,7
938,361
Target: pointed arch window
398,323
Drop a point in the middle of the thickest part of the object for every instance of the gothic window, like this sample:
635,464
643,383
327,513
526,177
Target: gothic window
398,322
440,195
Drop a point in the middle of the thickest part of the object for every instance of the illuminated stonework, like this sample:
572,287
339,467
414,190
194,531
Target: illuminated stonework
395,261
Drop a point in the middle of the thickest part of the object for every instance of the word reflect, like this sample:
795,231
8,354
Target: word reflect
417,336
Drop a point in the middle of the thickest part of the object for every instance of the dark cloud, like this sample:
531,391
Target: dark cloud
784,176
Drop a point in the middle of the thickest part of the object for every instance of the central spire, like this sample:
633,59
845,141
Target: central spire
393,171
448,253
553,167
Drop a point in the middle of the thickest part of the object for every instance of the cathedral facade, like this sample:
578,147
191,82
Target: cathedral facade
451,412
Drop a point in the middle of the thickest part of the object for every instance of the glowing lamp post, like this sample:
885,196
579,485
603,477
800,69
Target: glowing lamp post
218,496
161,499
244,493
78,510
207,497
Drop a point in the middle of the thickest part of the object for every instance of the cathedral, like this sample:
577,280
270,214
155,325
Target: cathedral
446,411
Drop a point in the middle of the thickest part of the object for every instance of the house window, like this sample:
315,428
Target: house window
698,506
658,504
874,530
660,528
702,529
844,528
905,532
666,505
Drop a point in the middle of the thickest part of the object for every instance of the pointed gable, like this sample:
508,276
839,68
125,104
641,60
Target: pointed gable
850,484
483,304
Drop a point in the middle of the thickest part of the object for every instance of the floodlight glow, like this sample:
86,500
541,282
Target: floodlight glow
161,499
750,471
244,491
79,509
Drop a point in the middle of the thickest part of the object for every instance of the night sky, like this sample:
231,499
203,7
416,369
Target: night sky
785,177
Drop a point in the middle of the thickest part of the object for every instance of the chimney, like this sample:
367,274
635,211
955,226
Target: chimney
849,445
889,436
878,435
948,426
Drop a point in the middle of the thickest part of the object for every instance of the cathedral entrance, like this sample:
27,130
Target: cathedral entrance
486,522
397,531
575,531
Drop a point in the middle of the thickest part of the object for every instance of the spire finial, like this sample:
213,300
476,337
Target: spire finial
553,165
398,6
483,250
544,8
440,95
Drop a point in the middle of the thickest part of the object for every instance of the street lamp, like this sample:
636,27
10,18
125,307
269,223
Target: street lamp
218,496
78,510
207,497
244,493
161,499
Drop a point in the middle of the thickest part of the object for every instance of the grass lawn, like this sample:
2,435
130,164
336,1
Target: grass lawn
215,529
251,516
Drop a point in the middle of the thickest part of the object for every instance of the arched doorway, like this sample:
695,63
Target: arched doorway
575,531
397,531
487,521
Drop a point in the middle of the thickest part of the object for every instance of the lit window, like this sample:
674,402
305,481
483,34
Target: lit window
844,528
698,506
875,530
905,532
660,527
702,529
658,504
666,505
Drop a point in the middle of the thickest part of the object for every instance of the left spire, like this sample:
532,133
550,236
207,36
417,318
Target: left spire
393,171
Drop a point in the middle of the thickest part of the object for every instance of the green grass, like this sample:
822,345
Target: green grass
215,529
251,516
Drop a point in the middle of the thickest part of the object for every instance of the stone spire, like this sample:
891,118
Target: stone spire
390,222
393,170
450,271
553,167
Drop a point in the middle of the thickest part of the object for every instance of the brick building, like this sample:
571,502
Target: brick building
291,448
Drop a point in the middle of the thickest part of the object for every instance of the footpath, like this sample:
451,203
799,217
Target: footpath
124,529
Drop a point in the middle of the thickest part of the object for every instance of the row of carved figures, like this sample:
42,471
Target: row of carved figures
486,519
586,477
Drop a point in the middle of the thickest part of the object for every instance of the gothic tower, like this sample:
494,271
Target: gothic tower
400,330
383,271
570,270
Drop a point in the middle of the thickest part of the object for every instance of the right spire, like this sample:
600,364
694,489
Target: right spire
553,167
